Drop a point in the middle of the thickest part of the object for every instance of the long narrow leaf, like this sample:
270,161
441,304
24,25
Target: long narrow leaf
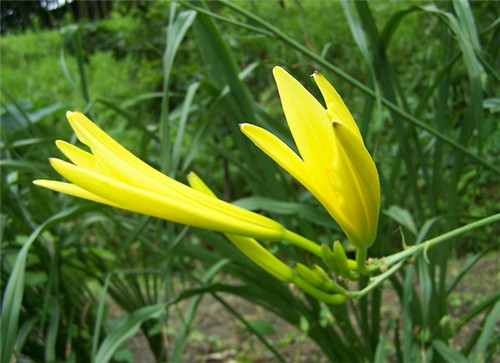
13,295
125,329
487,335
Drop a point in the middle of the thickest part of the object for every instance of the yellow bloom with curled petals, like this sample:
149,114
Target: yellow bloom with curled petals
334,164
112,175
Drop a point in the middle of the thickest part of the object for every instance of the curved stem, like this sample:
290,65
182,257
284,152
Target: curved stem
300,241
375,281
334,299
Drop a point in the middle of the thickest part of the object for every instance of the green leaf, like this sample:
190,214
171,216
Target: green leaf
262,327
286,208
176,31
403,217
493,104
487,335
124,329
124,355
51,337
449,355
13,295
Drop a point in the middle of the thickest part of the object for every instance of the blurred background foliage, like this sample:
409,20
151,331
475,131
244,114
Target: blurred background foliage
171,81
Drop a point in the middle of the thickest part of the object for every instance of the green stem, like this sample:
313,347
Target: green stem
397,259
334,299
302,242
375,281
422,247
361,261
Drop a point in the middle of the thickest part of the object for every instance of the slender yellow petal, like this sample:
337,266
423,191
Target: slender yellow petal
280,153
142,201
308,122
77,156
196,183
334,104
357,181
262,257
73,190
118,163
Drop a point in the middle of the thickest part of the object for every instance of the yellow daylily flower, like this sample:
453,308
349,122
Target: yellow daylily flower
112,175
334,164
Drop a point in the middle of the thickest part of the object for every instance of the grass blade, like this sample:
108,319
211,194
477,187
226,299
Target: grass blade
125,329
13,295
486,338
99,317
448,354
176,31
181,336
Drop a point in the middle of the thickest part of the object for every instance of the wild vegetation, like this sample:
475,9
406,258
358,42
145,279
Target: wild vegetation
171,81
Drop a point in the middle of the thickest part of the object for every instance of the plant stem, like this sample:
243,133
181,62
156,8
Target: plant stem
375,281
361,261
397,259
422,247
302,242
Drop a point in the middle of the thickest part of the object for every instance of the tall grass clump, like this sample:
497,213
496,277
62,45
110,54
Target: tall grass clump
80,279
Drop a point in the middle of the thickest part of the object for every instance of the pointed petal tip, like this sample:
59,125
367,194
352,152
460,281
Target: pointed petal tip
279,72
244,126
55,162
72,115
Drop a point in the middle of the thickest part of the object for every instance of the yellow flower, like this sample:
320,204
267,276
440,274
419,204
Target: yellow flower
334,164
112,175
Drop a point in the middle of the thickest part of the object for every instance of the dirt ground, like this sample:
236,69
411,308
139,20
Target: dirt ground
217,337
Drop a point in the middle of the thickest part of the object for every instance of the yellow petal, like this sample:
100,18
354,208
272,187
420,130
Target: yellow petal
77,156
196,183
280,153
262,257
306,117
142,201
123,166
73,190
334,104
355,178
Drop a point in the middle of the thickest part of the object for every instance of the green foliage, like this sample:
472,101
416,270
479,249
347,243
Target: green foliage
172,82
